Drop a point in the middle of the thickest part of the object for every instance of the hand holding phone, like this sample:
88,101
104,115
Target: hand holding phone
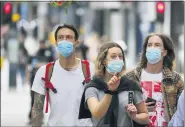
150,103
149,99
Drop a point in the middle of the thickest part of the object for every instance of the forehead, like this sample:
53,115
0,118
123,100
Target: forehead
114,50
65,31
155,39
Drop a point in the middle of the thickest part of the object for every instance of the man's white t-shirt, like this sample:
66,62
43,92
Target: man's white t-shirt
151,87
65,104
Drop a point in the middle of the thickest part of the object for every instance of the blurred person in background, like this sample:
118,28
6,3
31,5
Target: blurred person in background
82,50
178,118
158,79
13,57
66,77
43,56
23,58
93,42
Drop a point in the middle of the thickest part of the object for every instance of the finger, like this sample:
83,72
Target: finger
118,80
133,111
119,76
116,74
129,109
149,103
114,78
132,108
151,107
110,83
127,105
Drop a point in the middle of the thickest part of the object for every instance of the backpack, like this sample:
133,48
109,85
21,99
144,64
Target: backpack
48,74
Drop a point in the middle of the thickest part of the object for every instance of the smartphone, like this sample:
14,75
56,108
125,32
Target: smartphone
149,99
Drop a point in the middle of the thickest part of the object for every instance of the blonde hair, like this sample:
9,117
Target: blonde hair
102,54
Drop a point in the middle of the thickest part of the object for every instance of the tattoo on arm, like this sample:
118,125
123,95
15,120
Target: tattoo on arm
37,109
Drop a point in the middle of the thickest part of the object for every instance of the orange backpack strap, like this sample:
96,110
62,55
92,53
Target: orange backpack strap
86,71
48,84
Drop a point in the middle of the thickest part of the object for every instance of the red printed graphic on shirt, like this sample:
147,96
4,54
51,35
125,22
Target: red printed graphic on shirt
153,90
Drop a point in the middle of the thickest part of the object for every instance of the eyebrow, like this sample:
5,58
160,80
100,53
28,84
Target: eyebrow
116,54
154,43
64,35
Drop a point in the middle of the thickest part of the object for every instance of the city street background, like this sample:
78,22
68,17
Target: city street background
28,27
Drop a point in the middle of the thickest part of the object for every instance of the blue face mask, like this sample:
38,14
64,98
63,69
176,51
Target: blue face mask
65,48
153,55
114,66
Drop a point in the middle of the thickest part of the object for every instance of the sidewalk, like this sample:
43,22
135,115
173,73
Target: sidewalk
15,107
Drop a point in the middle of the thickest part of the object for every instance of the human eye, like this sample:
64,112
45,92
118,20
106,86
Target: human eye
60,37
113,56
69,37
121,56
157,45
149,45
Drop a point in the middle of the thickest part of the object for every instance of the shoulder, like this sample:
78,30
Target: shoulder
91,91
41,71
177,78
132,85
124,79
176,75
130,73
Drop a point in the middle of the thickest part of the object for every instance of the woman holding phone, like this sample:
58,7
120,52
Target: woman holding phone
106,96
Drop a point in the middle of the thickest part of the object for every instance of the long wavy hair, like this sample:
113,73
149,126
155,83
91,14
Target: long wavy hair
168,45
102,54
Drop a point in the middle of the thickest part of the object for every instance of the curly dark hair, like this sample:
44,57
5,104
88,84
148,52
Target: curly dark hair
168,45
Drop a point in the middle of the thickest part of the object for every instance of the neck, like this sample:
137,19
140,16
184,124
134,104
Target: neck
70,62
154,68
107,77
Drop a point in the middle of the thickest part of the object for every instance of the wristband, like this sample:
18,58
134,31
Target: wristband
106,91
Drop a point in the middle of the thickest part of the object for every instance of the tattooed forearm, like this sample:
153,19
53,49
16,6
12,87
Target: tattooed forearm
37,109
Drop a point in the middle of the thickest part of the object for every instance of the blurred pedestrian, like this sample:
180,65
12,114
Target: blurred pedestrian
65,81
13,58
93,42
158,79
83,50
23,59
178,118
106,96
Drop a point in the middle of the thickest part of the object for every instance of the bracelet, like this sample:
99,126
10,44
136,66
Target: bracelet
110,92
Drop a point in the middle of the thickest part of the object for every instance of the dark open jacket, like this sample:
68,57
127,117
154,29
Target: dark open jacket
172,86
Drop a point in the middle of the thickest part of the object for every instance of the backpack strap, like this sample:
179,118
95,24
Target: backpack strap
48,84
86,71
